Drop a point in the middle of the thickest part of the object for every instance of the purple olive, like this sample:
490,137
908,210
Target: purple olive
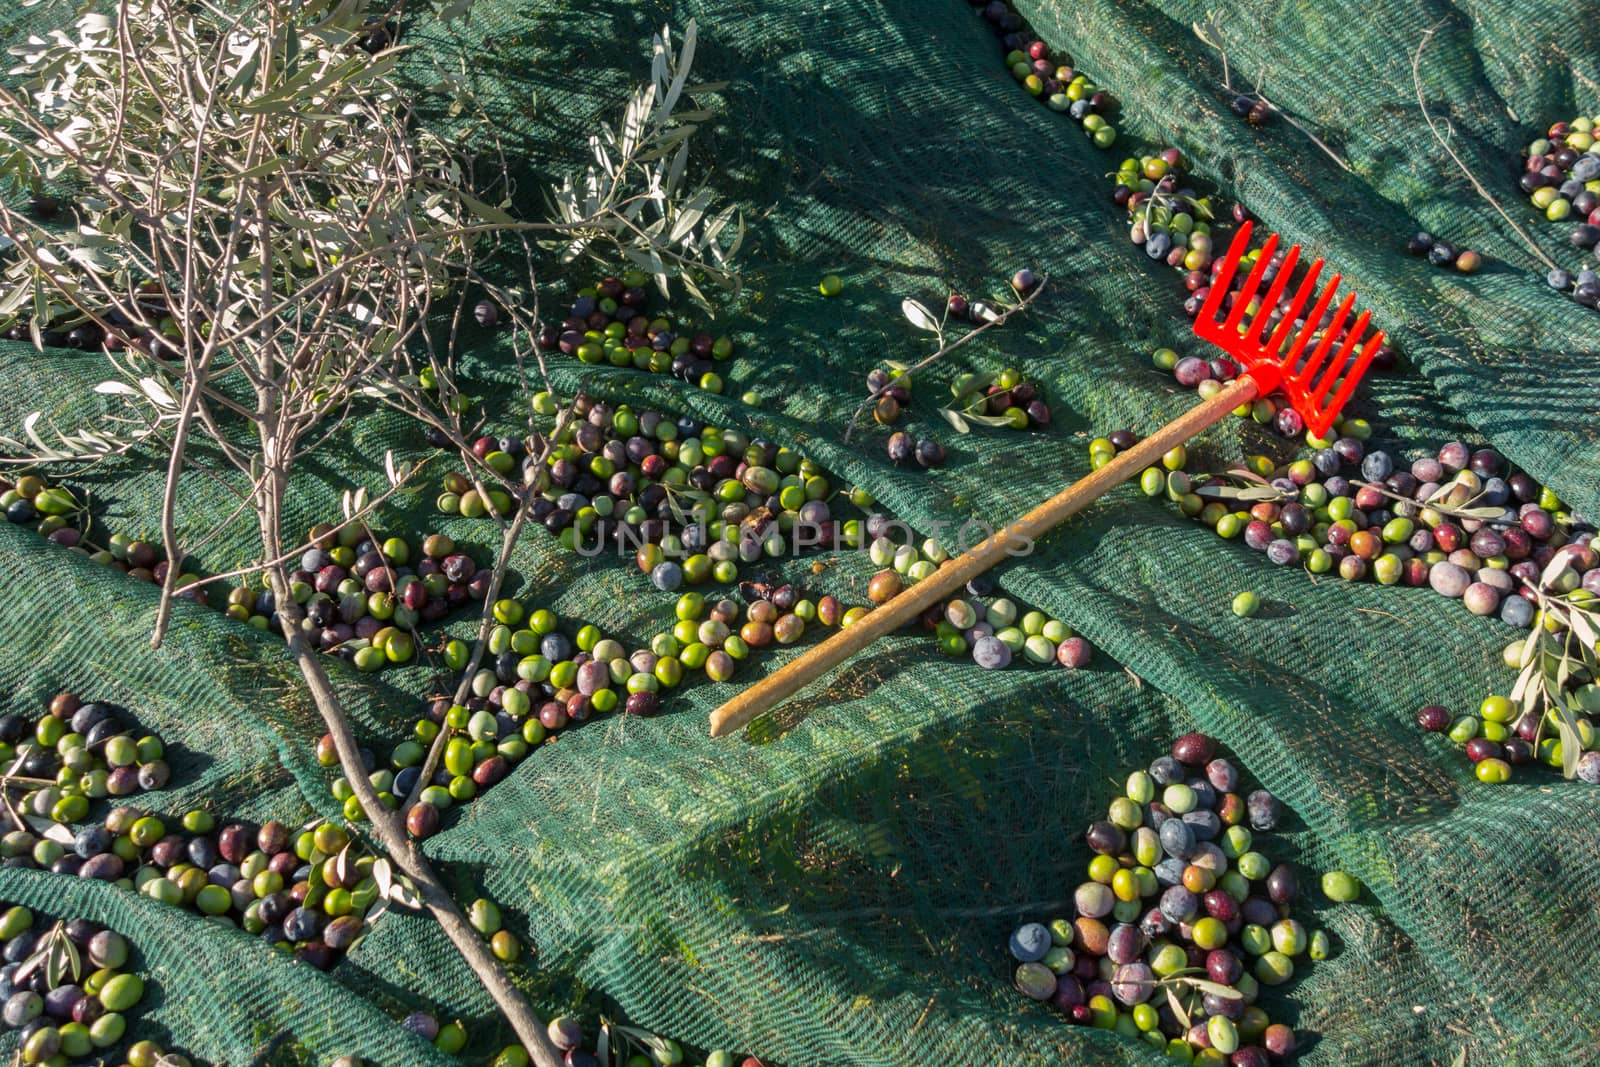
1105,838
1125,943
1282,886
1222,775
1264,809
1193,749
1435,718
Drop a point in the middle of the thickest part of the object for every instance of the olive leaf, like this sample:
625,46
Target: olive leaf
643,1037
315,879
71,956
919,316
980,419
1530,667
1578,619
1553,569
383,875
392,889
404,893
1216,989
1571,739
344,865
50,829
57,955
1177,1007
696,498
602,1048
1542,686
1250,494
968,384
1437,502
956,420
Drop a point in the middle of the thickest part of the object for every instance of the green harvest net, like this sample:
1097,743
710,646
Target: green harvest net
836,886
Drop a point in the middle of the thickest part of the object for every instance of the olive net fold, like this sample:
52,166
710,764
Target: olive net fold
836,885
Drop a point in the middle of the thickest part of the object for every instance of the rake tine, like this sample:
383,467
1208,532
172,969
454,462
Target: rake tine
1274,294
1307,287
1303,338
1348,386
1335,365
1251,284
1219,285
1325,342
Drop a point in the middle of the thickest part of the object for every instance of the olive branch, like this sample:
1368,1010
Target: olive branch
1552,662
267,234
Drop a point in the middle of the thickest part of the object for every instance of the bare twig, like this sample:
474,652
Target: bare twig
391,836
1311,136
1433,128
1210,33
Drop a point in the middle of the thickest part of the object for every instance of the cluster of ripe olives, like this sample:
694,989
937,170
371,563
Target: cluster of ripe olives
1561,175
689,502
307,892
1182,920
55,512
611,322
67,989
1167,216
545,677
362,595
1050,78
1442,253
56,767
1503,733
1462,522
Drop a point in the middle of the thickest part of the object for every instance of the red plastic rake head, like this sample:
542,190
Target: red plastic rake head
1316,385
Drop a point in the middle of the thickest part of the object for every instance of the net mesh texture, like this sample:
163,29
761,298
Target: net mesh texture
835,886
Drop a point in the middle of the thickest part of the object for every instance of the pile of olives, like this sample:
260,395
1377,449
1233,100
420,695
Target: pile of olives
611,322
1170,219
1503,733
1464,523
1182,919
30,499
307,892
67,989
1004,398
56,512
545,677
688,502
72,755
363,594
1050,78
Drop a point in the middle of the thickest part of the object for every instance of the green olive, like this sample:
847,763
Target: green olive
122,992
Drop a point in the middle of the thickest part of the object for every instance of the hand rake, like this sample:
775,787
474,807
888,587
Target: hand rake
1317,380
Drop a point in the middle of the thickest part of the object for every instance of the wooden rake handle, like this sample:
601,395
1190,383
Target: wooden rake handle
912,602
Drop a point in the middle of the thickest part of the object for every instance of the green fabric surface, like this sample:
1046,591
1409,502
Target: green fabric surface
836,886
